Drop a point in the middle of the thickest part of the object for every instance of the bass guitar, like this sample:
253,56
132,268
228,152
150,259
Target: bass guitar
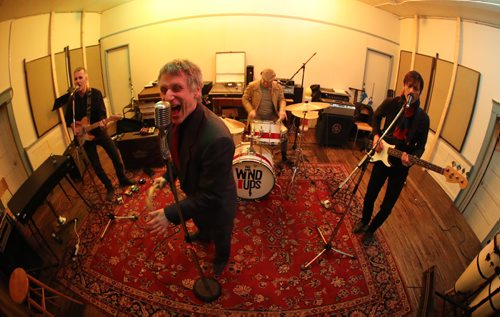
83,127
450,173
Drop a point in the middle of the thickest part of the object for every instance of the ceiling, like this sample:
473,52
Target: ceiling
481,11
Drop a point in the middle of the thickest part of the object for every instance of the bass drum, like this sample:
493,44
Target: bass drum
253,171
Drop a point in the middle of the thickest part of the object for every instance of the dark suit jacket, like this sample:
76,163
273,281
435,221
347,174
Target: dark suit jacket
206,156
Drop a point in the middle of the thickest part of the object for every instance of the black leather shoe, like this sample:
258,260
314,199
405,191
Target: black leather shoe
126,182
368,238
110,194
219,267
359,228
195,236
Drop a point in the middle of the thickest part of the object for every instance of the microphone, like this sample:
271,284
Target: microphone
163,119
408,100
74,90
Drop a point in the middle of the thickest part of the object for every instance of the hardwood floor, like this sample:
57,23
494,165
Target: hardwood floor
424,229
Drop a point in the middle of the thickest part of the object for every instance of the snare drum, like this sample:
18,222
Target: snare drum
253,171
236,128
268,132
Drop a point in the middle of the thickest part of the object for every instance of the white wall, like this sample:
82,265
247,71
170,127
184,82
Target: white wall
272,33
479,50
28,39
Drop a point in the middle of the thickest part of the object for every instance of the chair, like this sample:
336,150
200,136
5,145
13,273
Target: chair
362,119
41,298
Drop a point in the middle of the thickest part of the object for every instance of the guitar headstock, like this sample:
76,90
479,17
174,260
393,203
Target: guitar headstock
454,176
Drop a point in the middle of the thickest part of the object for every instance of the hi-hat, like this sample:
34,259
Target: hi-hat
307,106
310,115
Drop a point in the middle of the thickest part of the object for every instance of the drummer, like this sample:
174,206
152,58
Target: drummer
264,100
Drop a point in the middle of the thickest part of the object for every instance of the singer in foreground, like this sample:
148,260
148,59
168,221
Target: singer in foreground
202,151
409,135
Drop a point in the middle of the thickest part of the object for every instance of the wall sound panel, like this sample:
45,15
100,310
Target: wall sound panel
40,88
462,105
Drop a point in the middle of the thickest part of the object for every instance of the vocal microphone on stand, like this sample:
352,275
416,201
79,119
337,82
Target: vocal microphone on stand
163,118
408,100
74,91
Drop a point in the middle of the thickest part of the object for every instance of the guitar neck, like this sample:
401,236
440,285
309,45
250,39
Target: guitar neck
415,160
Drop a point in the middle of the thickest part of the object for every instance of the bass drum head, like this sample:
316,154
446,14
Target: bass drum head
253,172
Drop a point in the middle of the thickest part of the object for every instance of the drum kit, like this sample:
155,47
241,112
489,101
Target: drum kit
253,166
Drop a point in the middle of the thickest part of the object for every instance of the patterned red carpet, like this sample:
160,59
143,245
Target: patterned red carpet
130,272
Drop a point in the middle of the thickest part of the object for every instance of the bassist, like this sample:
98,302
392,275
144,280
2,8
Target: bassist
88,109
409,135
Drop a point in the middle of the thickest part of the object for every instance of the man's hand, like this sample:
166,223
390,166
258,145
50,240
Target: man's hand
157,221
251,115
380,146
405,159
283,116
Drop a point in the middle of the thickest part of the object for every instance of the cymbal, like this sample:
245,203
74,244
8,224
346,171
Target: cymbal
308,114
233,124
307,106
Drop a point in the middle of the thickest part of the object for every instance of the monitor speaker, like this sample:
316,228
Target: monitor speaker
140,151
333,130
249,76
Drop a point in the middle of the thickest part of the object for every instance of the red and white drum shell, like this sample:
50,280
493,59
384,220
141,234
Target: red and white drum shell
267,132
253,171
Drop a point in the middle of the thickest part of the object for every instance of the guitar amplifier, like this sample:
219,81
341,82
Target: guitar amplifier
140,151
334,125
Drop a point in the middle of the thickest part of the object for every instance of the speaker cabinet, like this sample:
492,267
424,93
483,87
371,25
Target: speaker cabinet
77,165
249,75
333,129
140,151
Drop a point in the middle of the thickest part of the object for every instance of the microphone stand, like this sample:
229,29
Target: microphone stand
205,288
363,164
303,68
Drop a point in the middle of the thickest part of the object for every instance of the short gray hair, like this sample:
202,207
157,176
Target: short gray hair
188,68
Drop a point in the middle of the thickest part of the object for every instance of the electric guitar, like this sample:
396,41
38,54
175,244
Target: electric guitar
450,173
83,127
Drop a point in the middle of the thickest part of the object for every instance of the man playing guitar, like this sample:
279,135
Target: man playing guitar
86,115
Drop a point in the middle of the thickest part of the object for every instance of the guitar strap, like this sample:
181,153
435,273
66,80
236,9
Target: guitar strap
89,99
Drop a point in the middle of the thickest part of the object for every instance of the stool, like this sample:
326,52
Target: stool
363,126
23,286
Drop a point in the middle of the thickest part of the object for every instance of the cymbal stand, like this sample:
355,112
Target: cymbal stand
299,156
113,217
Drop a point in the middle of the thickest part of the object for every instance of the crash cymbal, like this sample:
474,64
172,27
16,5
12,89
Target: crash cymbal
308,114
307,106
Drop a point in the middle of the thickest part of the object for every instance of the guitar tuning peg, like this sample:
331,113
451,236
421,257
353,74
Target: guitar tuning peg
459,167
453,163
463,170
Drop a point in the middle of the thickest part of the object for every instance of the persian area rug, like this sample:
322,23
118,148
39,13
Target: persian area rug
127,271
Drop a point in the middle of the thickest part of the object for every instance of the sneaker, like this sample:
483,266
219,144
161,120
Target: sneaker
359,228
126,182
110,194
219,267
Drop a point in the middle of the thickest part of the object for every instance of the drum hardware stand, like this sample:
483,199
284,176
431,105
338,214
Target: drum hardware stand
363,164
299,160
113,217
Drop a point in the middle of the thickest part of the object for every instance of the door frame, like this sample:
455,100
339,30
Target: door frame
108,83
390,70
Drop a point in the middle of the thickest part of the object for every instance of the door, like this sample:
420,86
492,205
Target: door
377,76
118,78
483,211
